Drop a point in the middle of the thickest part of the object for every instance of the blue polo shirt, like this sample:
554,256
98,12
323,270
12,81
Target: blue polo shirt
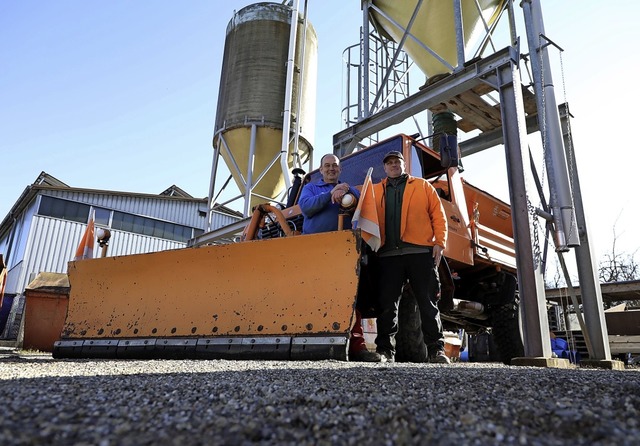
320,215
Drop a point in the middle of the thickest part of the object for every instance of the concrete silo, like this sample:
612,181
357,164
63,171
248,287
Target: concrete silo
251,110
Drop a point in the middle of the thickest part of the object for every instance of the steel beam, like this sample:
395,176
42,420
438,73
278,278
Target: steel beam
345,141
560,199
586,263
536,338
492,138
221,234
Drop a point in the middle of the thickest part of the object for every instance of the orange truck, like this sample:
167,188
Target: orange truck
267,297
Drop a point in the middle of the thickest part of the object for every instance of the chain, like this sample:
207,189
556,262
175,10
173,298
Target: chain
570,155
537,256
544,113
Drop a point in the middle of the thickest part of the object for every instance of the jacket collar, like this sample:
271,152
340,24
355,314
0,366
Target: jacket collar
410,178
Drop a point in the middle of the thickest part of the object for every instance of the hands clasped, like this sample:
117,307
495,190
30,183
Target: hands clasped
338,192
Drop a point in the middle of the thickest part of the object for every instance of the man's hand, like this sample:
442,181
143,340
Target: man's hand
437,255
338,192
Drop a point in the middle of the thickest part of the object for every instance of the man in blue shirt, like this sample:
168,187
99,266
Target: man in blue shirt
320,202
320,205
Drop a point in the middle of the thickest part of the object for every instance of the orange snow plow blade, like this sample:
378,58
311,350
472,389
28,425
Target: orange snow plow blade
283,298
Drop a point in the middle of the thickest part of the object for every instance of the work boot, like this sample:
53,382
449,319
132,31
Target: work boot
386,356
439,358
365,356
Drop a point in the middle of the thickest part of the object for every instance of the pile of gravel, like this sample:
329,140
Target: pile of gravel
116,402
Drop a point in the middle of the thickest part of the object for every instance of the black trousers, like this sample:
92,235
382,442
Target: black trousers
393,272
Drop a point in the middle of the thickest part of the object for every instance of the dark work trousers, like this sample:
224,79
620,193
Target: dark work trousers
424,281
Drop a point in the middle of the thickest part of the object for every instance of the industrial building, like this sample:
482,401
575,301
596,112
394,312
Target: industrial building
45,225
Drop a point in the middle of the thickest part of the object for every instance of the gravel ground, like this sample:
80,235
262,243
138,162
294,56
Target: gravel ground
216,402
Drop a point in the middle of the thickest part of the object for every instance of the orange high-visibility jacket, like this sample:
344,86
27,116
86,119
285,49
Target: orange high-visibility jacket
423,221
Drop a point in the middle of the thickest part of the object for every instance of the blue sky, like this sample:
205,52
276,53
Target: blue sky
121,95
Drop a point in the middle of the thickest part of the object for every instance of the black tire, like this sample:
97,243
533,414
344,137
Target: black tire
506,331
410,346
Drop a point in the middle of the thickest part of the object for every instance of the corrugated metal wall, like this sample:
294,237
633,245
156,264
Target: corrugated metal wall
47,244
220,220
53,243
123,243
176,210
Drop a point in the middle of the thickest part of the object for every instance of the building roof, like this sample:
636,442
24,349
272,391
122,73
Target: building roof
175,191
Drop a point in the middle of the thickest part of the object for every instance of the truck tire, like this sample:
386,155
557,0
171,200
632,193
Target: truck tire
506,331
410,346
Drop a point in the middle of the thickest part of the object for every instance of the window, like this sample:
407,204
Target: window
170,231
70,210
76,212
46,206
147,230
186,233
127,222
102,216
67,210
151,227
138,224
158,228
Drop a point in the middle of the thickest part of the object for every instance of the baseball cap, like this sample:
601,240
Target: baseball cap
393,153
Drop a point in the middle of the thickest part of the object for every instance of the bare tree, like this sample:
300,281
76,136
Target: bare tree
555,281
618,266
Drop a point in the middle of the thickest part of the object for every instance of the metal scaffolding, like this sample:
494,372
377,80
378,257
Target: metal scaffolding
521,109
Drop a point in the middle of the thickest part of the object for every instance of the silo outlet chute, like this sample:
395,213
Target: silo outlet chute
251,102
432,43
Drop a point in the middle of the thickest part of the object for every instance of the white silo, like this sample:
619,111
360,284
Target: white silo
251,103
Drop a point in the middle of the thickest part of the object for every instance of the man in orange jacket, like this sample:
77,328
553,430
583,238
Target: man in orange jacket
413,231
